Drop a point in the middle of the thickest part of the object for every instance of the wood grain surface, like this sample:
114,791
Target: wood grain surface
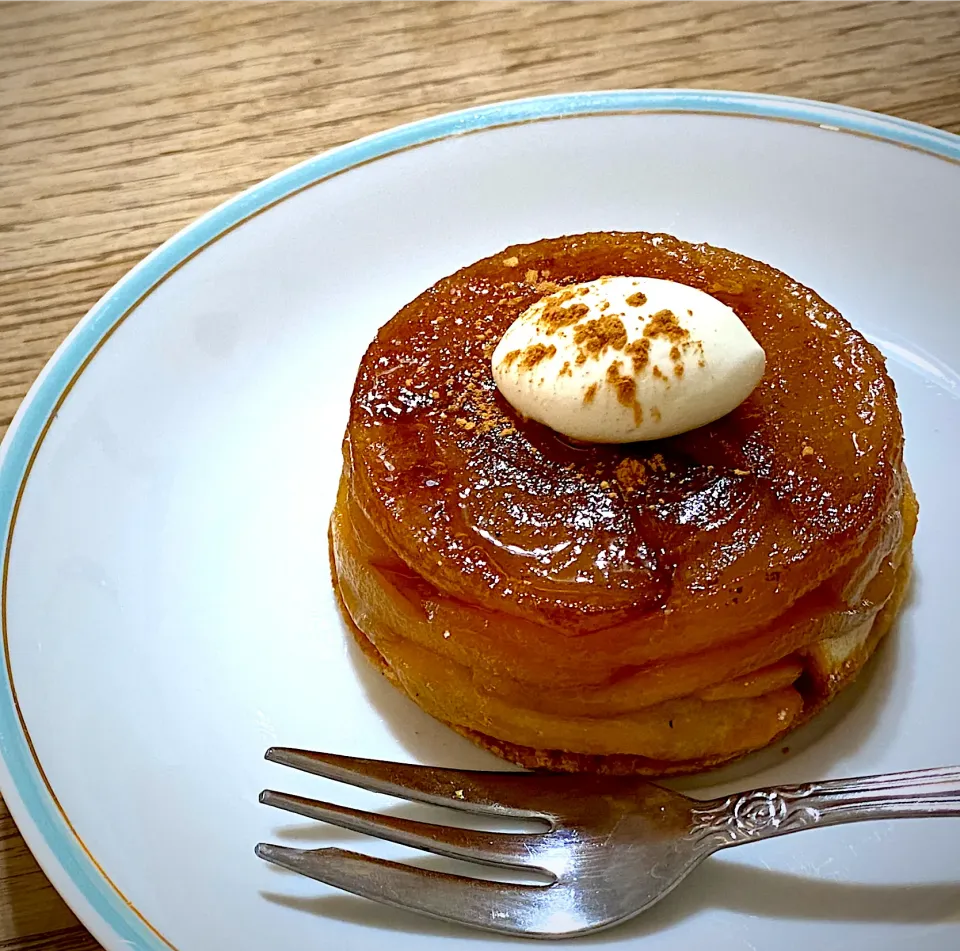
120,123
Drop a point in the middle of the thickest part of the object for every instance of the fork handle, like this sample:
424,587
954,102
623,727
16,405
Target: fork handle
778,810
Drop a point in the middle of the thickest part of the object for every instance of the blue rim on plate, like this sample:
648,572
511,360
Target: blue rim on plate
32,802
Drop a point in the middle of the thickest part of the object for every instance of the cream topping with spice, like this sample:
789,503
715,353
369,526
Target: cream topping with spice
623,359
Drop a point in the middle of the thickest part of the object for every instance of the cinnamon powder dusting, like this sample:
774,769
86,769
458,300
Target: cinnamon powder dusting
593,337
590,393
637,299
640,351
664,323
631,474
677,356
555,315
626,389
534,354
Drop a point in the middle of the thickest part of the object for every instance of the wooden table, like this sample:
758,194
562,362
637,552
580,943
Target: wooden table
119,124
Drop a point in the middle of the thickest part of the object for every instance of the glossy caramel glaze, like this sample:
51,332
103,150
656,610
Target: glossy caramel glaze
540,709
693,539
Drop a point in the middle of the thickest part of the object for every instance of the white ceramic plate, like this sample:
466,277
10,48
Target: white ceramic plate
165,487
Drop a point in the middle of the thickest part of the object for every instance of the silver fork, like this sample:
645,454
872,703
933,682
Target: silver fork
612,846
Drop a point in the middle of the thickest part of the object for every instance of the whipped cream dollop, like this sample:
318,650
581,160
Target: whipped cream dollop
623,359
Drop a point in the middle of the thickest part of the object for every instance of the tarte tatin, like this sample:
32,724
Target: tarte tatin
654,608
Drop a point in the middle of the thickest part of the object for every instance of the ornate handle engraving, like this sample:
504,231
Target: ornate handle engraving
761,813
755,815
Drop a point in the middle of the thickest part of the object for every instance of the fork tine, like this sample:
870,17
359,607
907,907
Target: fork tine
490,793
491,848
509,909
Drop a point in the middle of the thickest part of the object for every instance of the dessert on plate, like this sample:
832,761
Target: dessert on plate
615,502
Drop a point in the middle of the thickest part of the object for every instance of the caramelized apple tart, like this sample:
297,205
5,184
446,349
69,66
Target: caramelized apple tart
652,607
